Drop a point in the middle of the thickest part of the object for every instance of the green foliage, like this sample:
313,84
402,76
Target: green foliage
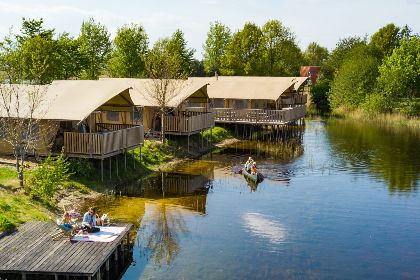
17,208
387,38
47,177
39,60
320,94
217,134
245,52
32,28
315,55
80,167
178,49
333,63
282,56
215,47
153,153
95,46
70,59
399,79
355,78
129,55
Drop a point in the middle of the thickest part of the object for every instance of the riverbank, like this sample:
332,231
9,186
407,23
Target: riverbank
390,121
85,184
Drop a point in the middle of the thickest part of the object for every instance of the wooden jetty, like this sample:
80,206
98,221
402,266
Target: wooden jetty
30,251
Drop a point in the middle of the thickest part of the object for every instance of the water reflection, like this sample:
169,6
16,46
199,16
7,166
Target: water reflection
160,231
265,227
385,154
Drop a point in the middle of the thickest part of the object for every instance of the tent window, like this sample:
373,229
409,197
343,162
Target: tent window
113,116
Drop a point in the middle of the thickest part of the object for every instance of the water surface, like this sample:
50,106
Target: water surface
339,203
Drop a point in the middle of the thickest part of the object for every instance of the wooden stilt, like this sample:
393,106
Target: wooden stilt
110,168
125,160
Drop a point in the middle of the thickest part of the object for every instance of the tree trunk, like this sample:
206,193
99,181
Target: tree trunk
162,127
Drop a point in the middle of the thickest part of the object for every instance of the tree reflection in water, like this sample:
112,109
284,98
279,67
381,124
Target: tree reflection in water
390,155
160,231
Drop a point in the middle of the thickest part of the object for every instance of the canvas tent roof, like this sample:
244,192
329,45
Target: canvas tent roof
73,99
142,91
241,87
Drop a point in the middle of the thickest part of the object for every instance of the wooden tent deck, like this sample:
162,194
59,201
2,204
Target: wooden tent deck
31,250
260,116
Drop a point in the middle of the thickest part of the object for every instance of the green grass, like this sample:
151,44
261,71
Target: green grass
18,208
217,134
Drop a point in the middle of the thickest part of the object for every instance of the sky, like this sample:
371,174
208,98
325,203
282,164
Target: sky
321,21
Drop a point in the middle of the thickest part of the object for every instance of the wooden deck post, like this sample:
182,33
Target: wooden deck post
188,143
98,274
110,168
23,276
107,265
125,160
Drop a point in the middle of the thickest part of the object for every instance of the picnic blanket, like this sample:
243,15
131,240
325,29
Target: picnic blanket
106,234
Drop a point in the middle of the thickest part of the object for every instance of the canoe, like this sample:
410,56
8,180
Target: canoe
256,178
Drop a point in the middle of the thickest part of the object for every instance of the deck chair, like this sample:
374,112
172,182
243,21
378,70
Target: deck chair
62,232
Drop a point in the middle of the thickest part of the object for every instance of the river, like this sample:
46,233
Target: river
339,202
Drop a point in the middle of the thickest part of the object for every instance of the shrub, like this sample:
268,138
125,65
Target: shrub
218,134
81,167
6,223
45,180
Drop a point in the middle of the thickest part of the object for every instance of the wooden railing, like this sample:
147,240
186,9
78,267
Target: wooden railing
102,144
104,127
181,124
260,116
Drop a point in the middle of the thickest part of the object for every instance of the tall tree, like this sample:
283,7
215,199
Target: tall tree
281,53
244,55
167,74
33,28
386,39
39,60
69,57
215,47
355,78
95,45
177,47
10,60
129,55
399,79
315,55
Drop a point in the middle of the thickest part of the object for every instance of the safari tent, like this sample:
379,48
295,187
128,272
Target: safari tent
77,114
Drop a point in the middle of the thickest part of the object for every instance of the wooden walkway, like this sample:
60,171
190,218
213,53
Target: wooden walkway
31,250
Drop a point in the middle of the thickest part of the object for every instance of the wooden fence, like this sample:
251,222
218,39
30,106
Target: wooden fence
99,145
191,124
260,116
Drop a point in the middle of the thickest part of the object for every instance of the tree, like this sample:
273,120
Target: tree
10,60
34,28
387,38
167,78
21,111
39,60
177,47
281,54
95,45
129,55
399,74
315,55
334,61
355,79
244,55
215,47
69,57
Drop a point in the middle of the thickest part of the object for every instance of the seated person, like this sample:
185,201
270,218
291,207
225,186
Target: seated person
254,168
90,220
74,213
66,221
248,164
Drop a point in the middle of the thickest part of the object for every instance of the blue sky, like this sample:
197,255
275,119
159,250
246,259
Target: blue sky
323,21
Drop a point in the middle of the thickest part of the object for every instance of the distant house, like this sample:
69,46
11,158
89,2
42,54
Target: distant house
81,111
256,100
312,71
